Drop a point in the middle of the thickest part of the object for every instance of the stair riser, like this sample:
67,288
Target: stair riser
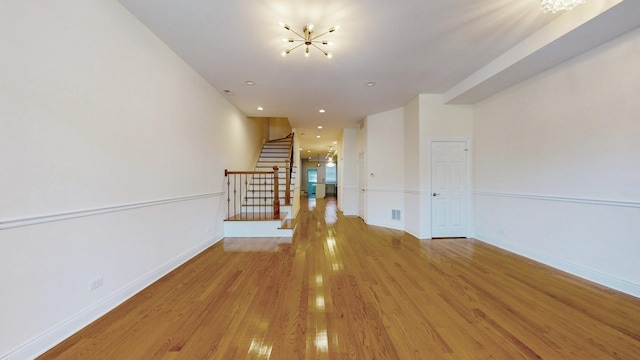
262,200
255,229
253,206
276,150
258,192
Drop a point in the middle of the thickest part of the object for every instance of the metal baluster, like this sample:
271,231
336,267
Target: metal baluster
235,192
228,193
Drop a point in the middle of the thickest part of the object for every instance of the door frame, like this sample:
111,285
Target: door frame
308,182
362,186
470,219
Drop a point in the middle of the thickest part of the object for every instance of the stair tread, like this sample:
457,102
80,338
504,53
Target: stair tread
265,205
257,217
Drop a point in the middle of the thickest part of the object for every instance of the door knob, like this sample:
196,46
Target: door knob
435,194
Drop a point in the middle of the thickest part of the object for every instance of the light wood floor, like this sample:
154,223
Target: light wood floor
344,290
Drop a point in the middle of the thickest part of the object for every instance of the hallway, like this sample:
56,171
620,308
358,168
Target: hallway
341,289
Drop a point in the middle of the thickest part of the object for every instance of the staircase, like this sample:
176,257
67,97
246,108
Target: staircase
254,215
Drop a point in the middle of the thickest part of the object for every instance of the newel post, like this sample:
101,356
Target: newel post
287,186
276,194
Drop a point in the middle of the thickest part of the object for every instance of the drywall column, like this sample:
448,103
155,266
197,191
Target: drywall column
348,173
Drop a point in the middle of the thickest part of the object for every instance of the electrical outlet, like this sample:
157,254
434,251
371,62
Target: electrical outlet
96,283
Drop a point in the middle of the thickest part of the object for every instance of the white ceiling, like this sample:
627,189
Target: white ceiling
407,47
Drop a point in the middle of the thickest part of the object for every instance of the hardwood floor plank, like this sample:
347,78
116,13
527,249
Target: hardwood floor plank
341,289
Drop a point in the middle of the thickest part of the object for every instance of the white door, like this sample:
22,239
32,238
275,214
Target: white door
361,187
449,189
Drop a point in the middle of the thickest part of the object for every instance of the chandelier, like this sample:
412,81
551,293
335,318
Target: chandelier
308,40
557,5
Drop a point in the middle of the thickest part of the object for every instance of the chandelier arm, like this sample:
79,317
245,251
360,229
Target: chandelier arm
295,47
319,48
324,33
300,36
309,40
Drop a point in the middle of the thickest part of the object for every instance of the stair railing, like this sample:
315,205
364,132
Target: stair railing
288,172
242,187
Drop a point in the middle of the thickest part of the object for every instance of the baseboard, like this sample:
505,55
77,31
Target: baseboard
59,333
566,266
418,235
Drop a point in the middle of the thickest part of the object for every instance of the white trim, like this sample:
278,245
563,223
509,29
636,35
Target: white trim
416,192
382,190
566,266
13,223
633,204
449,139
470,213
45,341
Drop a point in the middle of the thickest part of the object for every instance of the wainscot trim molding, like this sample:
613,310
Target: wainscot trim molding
382,190
13,223
47,340
417,192
566,266
632,204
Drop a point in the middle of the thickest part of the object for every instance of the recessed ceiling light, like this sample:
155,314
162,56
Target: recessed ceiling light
319,126
308,150
321,111
260,108
318,136
335,142
249,82
228,92
300,149
370,83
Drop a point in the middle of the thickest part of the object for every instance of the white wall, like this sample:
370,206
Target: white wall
113,152
297,177
385,167
412,166
557,166
427,118
439,121
397,144
348,172
361,146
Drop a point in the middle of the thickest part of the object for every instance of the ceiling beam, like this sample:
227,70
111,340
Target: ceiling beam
573,33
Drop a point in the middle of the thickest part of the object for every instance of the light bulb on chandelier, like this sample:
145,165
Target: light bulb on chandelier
308,40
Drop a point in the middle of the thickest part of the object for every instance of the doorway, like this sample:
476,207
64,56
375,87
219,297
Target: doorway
361,187
449,189
312,181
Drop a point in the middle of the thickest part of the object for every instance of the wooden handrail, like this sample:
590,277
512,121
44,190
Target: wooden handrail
282,138
276,183
289,160
227,172
271,175
287,188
